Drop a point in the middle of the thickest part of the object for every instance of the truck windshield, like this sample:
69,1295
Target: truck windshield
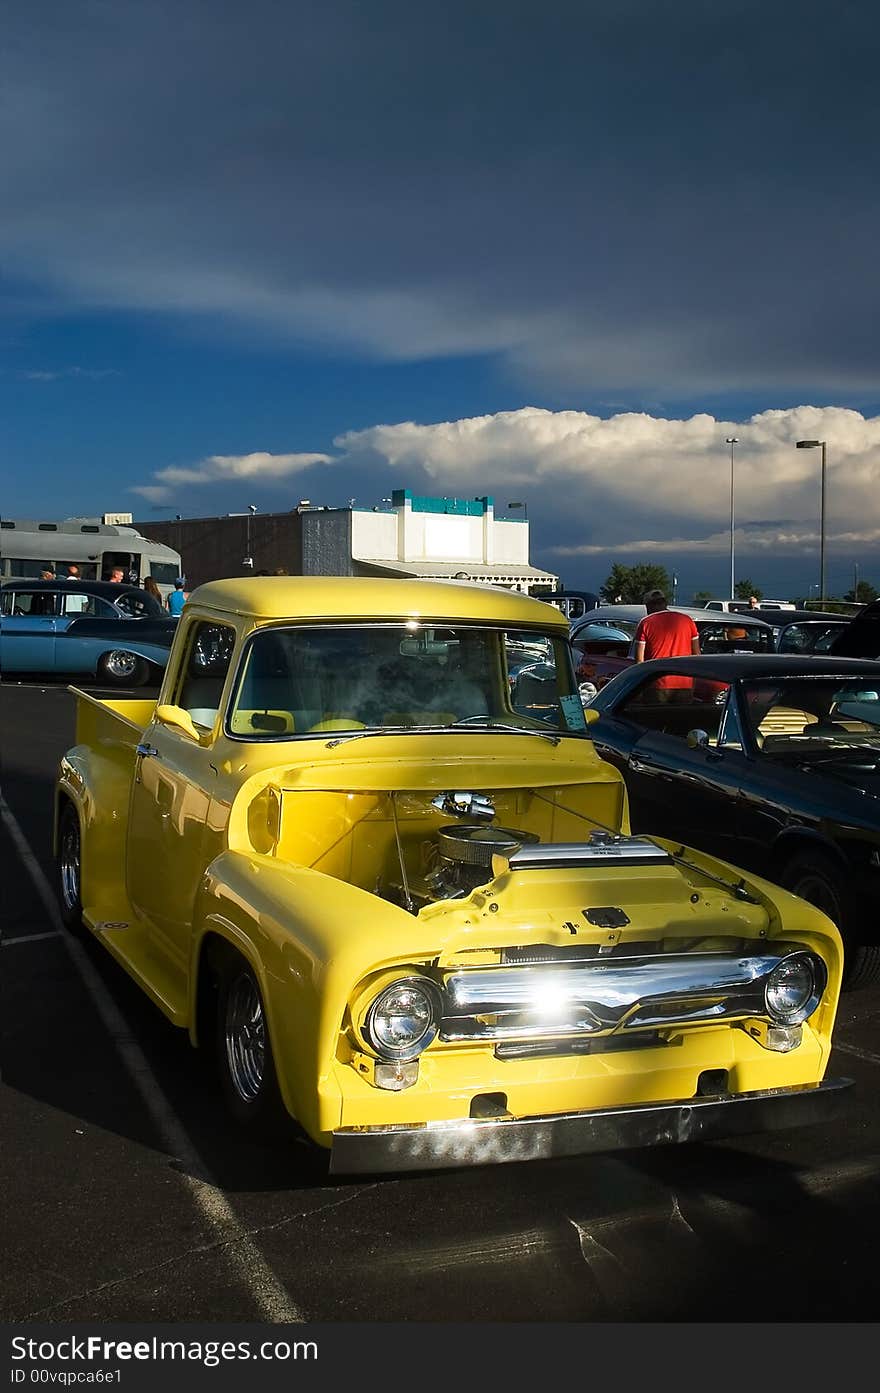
311,680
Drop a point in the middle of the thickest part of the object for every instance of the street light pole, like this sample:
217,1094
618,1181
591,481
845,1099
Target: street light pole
731,440
811,445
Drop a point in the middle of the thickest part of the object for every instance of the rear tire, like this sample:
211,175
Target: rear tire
119,668
244,1051
815,878
69,868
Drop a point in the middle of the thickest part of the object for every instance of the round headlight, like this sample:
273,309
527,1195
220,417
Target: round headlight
404,1018
793,988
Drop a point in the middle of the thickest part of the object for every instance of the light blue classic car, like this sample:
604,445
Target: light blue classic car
116,633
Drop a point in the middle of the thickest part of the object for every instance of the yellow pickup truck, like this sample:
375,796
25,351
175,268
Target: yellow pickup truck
363,850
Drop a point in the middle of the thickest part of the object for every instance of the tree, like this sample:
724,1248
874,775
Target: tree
626,585
863,593
744,589
700,598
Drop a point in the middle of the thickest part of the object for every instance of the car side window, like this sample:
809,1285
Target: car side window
675,705
135,606
28,602
200,685
91,605
730,732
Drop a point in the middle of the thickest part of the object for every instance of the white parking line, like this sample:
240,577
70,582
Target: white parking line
29,938
244,1256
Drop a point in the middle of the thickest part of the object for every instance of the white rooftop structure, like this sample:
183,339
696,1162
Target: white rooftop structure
446,538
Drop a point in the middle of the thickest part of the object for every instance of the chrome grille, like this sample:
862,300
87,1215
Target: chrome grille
601,997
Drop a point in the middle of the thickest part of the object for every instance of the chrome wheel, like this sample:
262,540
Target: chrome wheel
120,665
69,863
245,1037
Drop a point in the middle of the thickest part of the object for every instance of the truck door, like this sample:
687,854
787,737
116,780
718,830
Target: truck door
172,789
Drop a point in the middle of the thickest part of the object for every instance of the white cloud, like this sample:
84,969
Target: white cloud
637,476
55,375
260,466
754,541
154,493
630,484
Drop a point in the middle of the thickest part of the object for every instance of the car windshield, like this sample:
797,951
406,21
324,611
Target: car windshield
734,636
373,677
809,637
814,719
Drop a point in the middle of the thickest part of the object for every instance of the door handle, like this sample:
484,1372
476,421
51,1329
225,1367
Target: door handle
640,766
145,751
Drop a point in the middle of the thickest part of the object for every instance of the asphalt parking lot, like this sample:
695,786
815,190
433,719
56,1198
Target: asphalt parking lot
128,1196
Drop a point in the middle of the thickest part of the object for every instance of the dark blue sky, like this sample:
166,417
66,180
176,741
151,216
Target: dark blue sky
241,231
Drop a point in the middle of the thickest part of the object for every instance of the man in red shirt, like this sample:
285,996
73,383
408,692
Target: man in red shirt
665,633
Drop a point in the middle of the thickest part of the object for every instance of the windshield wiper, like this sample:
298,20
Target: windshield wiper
489,724
423,730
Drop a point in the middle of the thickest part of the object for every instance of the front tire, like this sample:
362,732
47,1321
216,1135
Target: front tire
244,1051
69,868
119,668
815,878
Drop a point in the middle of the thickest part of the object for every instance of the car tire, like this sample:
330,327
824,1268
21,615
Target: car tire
244,1050
68,863
119,668
815,878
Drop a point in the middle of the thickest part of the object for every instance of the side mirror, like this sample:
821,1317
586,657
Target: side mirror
697,740
591,715
181,720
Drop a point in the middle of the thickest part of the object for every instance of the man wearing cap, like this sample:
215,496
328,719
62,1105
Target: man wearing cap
666,633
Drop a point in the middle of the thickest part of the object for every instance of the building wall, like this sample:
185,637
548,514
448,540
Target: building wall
438,529
326,542
374,535
214,548
511,543
331,541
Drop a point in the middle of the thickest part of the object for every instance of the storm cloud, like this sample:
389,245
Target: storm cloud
615,196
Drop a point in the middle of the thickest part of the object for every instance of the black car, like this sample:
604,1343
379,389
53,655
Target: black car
115,632
809,634
861,637
771,762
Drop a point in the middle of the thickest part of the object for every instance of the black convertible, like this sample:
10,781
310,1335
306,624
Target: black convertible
769,761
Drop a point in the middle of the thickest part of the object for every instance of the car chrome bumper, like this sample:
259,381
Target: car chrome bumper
489,1141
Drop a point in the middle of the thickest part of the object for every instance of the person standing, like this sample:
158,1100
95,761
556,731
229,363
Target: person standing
666,633
152,589
72,572
177,599
117,575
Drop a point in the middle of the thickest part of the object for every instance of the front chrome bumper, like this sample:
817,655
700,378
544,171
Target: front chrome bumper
490,1141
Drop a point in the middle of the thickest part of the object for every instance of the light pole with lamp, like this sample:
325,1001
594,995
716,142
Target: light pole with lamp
812,445
731,440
